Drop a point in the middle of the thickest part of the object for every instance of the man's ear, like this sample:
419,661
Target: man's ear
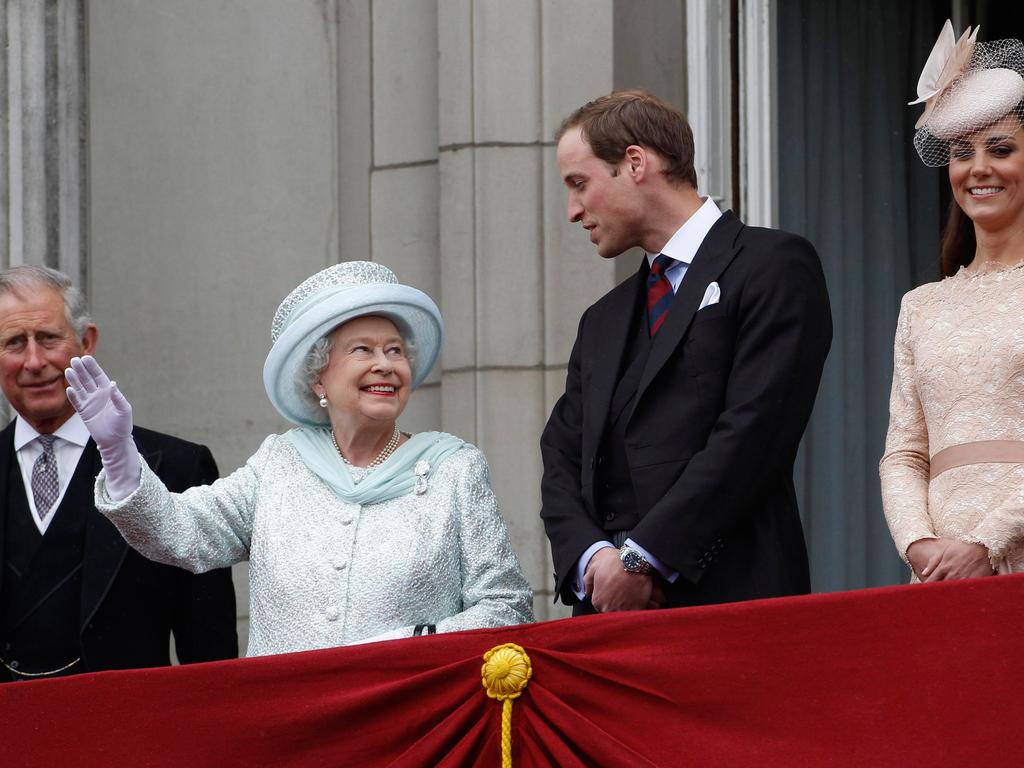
89,339
637,162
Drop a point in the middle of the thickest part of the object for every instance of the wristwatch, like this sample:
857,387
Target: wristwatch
633,561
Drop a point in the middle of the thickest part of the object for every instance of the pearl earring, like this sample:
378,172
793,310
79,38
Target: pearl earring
323,400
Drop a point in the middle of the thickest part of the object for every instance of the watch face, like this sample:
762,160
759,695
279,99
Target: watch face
634,561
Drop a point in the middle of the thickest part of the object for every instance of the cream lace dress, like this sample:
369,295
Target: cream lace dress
958,378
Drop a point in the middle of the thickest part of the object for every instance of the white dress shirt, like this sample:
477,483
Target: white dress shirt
682,247
72,437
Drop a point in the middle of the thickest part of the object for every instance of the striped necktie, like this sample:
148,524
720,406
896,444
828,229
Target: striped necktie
659,292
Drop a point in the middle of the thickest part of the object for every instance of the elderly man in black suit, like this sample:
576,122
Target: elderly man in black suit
73,596
668,462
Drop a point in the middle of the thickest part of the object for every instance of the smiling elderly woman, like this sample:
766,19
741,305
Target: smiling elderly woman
354,531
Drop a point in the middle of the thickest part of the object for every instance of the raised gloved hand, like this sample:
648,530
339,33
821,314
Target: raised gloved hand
108,417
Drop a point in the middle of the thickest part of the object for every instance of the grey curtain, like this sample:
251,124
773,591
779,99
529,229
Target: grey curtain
851,183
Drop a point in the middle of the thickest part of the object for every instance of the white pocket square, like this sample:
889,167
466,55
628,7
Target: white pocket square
711,296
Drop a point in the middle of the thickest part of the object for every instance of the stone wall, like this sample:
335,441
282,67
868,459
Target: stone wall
235,147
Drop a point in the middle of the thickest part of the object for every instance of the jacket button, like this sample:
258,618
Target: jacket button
339,565
14,664
610,516
332,613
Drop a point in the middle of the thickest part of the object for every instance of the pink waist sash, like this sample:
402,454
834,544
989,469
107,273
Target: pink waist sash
982,452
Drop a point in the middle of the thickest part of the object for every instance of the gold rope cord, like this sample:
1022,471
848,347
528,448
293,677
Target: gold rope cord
505,673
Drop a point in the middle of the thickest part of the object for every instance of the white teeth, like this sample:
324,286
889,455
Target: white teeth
380,388
985,190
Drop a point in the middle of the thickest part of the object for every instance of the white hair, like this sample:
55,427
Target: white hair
25,277
319,356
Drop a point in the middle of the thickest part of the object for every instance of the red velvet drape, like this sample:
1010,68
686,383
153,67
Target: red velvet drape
912,676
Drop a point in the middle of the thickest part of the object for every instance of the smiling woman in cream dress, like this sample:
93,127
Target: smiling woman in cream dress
953,470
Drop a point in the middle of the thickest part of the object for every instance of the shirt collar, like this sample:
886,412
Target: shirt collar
683,245
73,430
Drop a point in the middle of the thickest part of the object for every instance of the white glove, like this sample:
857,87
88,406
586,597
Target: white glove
108,417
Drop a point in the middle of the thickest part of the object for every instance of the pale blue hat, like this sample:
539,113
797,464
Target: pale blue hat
324,301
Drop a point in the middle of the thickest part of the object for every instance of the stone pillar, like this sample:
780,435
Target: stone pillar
515,275
387,151
42,132
214,190
404,172
42,136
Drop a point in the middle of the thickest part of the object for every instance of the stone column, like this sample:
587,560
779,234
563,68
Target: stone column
42,132
515,275
387,153
404,171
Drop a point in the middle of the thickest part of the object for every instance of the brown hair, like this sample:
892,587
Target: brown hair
958,240
612,123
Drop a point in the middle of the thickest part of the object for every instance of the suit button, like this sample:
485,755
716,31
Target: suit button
600,460
610,516
339,565
14,664
332,613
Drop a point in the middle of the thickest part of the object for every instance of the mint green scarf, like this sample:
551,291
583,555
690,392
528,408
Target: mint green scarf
394,477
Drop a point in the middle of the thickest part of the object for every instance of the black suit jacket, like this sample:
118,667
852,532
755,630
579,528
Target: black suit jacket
714,427
130,605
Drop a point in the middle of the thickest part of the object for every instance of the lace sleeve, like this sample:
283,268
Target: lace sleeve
904,467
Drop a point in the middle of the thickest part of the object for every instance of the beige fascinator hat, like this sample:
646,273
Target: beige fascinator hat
321,303
965,87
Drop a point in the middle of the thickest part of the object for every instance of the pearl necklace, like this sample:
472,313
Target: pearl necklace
381,457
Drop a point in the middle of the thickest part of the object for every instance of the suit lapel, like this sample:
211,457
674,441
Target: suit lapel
711,259
603,356
6,456
105,549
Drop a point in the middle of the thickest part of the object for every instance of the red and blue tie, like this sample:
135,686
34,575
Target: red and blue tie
659,292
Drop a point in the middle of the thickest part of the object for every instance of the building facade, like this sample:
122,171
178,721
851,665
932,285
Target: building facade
191,162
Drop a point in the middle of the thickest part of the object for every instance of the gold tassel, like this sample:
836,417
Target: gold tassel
505,673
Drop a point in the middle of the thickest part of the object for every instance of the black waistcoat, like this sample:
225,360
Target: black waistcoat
42,582
613,486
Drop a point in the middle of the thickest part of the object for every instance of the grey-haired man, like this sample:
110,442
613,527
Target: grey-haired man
73,596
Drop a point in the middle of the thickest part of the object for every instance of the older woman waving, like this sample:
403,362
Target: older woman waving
354,530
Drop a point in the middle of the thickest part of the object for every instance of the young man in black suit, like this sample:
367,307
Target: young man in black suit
73,596
668,462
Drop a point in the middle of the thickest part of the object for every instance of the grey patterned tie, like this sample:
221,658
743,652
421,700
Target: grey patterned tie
45,484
